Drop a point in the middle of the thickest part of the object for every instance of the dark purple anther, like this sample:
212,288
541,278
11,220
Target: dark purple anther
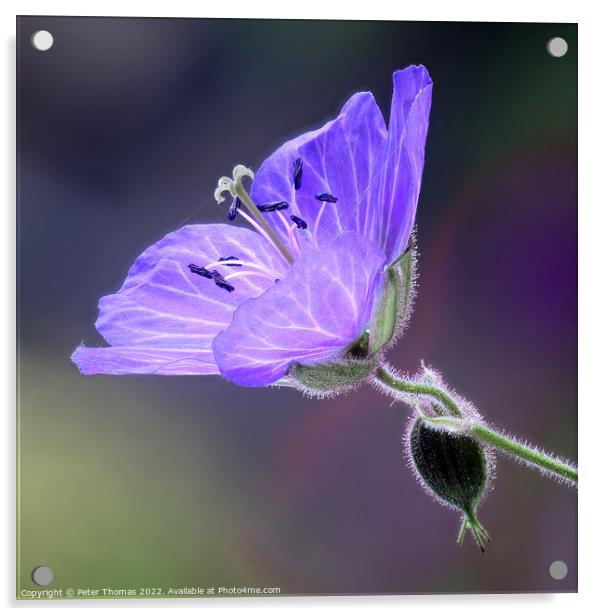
301,224
326,197
221,282
298,173
201,271
272,207
231,259
234,209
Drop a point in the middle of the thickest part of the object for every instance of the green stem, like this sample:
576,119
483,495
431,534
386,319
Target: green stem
508,445
410,387
524,452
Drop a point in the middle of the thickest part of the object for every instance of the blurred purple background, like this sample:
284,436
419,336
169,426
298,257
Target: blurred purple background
123,128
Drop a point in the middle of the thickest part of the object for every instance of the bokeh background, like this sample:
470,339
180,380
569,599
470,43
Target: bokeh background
123,128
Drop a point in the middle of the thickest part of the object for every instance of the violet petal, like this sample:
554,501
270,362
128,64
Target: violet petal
164,308
340,158
322,306
141,360
403,162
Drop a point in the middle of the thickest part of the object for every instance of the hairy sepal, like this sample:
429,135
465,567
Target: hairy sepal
395,308
330,378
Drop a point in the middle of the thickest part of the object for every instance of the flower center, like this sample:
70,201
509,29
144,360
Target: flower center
254,214
235,187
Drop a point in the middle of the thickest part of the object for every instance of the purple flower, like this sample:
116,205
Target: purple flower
331,212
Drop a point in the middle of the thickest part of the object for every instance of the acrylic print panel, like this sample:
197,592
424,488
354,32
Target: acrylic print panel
221,387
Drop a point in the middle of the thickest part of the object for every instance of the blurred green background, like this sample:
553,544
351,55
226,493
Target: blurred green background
123,128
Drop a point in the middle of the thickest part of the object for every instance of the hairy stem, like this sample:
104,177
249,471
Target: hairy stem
524,452
403,388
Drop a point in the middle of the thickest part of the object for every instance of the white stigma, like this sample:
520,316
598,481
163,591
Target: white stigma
235,187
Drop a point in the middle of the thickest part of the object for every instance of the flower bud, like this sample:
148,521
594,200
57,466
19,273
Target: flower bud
454,468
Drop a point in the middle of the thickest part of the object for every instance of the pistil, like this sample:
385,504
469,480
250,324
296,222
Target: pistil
234,186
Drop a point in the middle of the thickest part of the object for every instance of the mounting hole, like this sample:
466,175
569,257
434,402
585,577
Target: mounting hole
558,570
42,575
42,40
557,47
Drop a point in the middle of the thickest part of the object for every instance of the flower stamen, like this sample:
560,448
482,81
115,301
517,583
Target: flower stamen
327,197
301,224
201,271
317,223
292,237
233,211
251,273
220,281
297,173
273,207
254,224
238,263
231,261
214,275
234,186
